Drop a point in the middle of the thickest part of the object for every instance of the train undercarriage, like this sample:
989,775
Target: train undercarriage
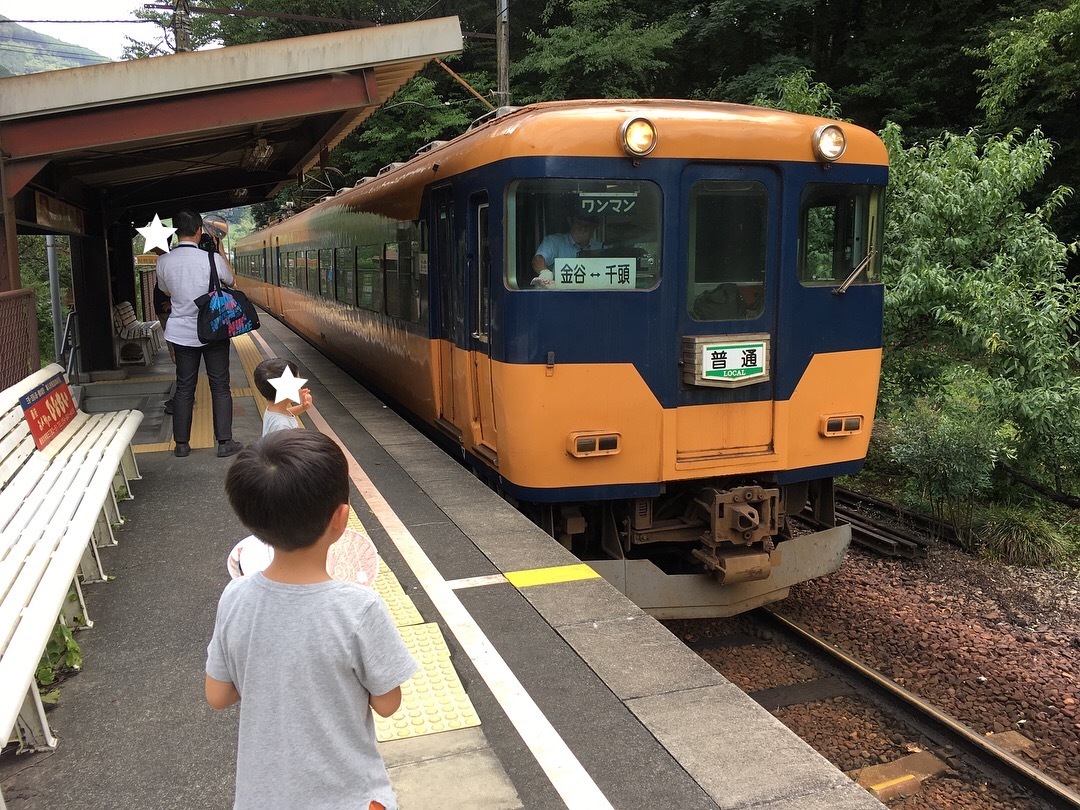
713,550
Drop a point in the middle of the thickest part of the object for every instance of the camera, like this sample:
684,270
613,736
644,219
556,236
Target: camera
214,229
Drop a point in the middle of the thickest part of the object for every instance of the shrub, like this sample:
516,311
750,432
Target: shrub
1019,535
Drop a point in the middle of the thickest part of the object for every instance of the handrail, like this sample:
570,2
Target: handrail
70,351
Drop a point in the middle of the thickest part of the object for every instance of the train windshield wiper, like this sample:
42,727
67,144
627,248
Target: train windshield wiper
855,273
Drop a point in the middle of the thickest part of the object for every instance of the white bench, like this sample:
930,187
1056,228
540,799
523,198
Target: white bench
136,341
57,505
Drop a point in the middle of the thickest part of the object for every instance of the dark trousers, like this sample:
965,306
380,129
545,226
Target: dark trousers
216,357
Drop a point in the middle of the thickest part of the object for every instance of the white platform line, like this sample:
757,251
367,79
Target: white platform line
476,582
566,774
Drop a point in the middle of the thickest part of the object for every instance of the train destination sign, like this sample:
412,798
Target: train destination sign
595,274
743,360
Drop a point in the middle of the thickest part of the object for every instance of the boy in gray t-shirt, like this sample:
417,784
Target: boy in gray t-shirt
308,654
279,415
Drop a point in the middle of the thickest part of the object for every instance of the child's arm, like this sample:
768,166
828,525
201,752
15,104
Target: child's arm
385,704
305,403
223,694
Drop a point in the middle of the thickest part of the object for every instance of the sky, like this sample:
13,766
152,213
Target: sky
104,38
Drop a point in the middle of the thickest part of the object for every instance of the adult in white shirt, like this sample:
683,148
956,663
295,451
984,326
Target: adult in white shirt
184,274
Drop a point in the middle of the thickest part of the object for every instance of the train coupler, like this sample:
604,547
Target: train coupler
738,546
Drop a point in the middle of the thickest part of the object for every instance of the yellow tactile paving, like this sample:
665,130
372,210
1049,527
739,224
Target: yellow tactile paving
202,417
433,700
547,576
250,357
401,607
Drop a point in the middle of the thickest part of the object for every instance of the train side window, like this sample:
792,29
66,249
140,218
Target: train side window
290,269
326,272
623,247
408,248
840,229
345,261
369,277
729,222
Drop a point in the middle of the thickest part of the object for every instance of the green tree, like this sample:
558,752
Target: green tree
1029,82
205,30
597,49
34,267
975,277
1033,63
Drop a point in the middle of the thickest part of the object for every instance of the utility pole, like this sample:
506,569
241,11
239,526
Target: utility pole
182,25
502,35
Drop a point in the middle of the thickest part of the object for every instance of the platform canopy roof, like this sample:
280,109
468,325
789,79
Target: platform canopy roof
208,129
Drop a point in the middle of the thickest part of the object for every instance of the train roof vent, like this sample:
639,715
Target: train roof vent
362,180
389,168
427,147
340,191
491,115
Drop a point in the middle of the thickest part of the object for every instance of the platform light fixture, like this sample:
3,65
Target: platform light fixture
258,156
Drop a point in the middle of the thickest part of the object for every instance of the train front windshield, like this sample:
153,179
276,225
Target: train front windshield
592,234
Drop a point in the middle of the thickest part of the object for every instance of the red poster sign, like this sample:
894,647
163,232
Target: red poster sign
48,409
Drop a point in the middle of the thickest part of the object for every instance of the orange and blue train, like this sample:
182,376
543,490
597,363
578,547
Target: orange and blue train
668,398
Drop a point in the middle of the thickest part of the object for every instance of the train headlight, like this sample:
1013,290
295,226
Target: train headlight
638,137
829,142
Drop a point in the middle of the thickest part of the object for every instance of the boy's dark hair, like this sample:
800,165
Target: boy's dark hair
187,222
286,486
272,369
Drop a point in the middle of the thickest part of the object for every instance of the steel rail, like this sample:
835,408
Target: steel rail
1037,782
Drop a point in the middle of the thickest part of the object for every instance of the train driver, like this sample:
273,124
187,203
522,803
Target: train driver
577,241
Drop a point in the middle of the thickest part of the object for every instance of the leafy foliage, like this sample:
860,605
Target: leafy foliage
1035,57
598,49
799,93
34,266
62,654
974,276
1020,535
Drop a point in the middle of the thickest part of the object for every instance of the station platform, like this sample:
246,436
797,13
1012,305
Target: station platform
541,686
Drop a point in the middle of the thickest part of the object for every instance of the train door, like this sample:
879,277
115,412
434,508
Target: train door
452,355
729,309
479,265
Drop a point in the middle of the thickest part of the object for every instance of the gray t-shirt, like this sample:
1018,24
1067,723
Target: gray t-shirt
278,421
305,659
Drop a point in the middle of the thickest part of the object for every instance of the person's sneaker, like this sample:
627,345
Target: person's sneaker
183,449
228,448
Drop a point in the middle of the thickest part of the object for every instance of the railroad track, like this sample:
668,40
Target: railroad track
889,535
925,744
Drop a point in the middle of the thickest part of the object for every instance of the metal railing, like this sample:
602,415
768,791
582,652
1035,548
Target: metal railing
69,353
19,336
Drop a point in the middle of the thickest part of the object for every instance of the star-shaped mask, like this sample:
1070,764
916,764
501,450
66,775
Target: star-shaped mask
156,234
287,386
